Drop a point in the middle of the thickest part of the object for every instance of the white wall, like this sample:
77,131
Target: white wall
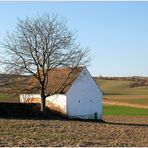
25,97
84,98
58,100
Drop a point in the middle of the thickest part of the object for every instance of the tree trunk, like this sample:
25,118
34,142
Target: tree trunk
43,105
43,101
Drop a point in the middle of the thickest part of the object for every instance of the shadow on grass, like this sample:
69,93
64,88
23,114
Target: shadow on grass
31,111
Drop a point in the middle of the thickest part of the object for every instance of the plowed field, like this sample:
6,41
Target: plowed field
115,131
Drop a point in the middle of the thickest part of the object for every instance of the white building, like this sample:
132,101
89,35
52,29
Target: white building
81,98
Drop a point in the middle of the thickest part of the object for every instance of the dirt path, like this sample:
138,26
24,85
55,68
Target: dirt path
126,119
108,102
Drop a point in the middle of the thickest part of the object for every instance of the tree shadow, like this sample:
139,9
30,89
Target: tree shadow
122,123
28,111
56,116
31,111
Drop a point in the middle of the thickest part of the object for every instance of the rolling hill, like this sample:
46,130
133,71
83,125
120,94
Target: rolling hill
119,91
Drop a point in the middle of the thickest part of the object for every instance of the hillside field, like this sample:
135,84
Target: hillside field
119,91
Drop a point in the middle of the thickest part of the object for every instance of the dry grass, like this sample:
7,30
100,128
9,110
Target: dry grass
124,103
74,132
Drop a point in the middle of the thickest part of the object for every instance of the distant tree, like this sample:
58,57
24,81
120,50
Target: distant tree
39,45
100,76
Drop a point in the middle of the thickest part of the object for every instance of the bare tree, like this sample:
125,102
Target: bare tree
39,45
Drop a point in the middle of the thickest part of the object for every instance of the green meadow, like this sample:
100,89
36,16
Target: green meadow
119,91
124,110
120,87
4,97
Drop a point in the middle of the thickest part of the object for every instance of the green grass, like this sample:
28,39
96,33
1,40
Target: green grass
122,110
5,97
120,87
120,91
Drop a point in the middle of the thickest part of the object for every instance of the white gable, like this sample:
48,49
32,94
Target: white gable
84,98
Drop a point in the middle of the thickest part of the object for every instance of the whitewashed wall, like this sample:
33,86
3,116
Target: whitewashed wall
84,98
25,97
58,100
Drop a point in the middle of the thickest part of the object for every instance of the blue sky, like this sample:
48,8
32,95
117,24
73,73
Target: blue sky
116,32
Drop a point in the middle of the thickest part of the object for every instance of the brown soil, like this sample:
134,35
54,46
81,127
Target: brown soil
109,102
127,97
116,131
126,119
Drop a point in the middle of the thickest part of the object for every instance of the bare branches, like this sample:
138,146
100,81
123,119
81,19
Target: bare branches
41,44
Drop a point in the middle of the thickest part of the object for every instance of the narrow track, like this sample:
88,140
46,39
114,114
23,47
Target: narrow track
108,102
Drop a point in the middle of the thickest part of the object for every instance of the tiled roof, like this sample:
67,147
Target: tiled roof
59,80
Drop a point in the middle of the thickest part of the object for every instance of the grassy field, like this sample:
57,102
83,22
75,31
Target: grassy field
5,97
121,87
124,110
120,91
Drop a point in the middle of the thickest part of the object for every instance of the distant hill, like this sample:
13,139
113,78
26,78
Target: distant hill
130,78
136,81
7,80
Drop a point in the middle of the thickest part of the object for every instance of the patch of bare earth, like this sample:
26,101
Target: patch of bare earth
110,102
132,120
127,97
74,133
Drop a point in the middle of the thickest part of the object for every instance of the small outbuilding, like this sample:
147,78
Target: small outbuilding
79,97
